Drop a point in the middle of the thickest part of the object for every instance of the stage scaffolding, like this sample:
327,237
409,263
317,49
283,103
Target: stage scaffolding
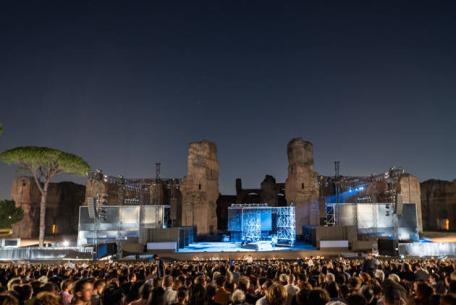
377,219
286,225
120,222
250,223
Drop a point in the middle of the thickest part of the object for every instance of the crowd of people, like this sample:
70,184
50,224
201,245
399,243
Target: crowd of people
312,281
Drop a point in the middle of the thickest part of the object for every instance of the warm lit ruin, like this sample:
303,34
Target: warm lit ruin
194,200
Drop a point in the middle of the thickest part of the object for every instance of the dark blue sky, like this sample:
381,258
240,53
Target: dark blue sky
128,83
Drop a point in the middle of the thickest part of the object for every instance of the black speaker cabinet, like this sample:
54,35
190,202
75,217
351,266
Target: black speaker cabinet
388,247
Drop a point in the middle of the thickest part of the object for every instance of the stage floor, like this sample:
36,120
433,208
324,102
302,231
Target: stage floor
220,247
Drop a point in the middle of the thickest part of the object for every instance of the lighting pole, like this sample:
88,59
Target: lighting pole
337,179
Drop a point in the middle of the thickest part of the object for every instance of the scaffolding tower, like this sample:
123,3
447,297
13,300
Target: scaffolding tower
286,225
330,208
251,224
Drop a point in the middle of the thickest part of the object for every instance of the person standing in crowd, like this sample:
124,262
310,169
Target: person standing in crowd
98,287
262,299
144,294
238,298
276,295
47,298
65,294
82,292
160,266
222,296
244,286
181,296
157,296
288,282
210,295
170,294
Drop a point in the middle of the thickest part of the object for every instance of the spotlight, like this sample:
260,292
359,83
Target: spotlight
361,188
66,243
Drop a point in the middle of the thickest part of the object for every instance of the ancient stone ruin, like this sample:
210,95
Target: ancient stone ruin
62,207
409,191
439,205
200,189
301,186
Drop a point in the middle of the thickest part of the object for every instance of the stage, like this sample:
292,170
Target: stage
220,247
230,250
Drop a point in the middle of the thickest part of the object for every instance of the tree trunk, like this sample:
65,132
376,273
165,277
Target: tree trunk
43,215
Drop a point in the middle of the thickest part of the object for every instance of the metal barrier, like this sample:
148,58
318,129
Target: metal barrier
428,249
31,254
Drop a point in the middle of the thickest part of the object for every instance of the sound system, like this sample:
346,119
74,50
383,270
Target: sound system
389,247
91,207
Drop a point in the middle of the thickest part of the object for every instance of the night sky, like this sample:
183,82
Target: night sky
125,84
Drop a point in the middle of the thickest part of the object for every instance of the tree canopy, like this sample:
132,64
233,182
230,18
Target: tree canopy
45,161
9,214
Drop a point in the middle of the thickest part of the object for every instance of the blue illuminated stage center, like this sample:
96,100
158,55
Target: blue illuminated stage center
259,223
